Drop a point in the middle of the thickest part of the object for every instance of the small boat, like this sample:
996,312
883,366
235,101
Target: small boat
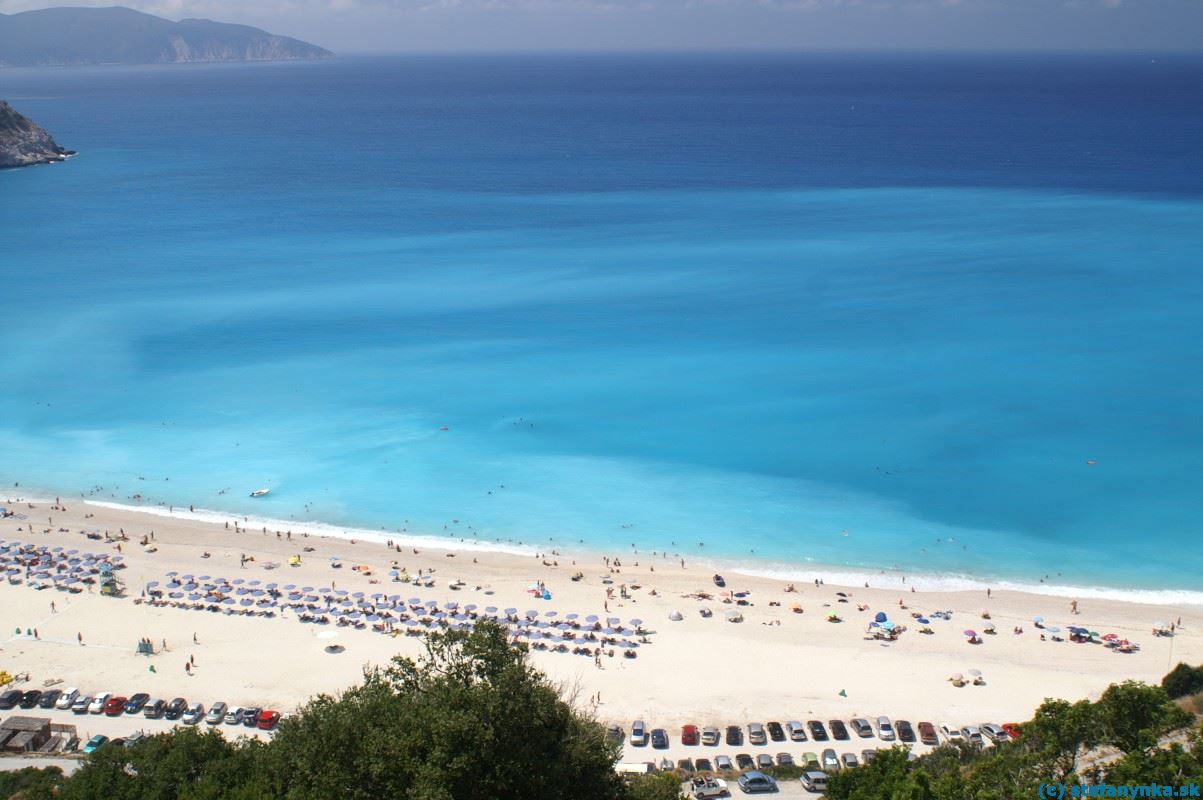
718,580
260,492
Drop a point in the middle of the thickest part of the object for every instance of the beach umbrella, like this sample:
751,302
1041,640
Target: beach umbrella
176,595
151,584
246,601
880,617
970,633
373,618
294,597
1037,619
977,673
229,601
325,590
636,622
415,601
203,578
613,621
432,603
258,593
888,626
491,609
532,613
358,594
470,607
450,606
923,621
306,588
511,611
342,592
173,585
1053,629
272,585
956,676
1093,634
237,581
194,597
551,613
289,586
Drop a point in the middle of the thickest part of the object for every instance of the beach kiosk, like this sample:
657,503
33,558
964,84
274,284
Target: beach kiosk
109,585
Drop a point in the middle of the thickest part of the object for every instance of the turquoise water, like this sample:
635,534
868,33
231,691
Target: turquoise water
753,301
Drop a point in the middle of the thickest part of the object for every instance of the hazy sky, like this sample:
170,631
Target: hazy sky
356,25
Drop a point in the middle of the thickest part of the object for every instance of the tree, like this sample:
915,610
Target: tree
473,720
1132,715
656,786
31,783
1183,680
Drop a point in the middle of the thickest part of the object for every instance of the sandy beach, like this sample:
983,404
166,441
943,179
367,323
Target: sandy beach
774,665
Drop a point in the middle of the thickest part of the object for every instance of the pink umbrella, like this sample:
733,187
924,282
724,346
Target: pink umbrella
971,633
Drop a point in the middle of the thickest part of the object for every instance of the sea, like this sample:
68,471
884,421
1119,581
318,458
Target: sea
861,315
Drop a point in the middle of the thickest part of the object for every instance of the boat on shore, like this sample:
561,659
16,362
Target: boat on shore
718,581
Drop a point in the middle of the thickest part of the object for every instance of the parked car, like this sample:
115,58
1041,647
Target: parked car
862,727
756,783
135,703
994,731
134,738
867,755
234,715
703,765
267,720
817,731
659,739
710,736
906,733
797,731
927,733
115,706
951,734
50,698
735,735
613,732
1012,729
776,732
9,699
94,743
706,788
217,713
194,714
689,735
97,704
756,733
81,704
764,761
638,733
885,731
685,765
66,699
154,709
810,760
250,717
830,760
723,763
973,735
839,730
814,781
176,708
785,760
30,698
850,761
744,761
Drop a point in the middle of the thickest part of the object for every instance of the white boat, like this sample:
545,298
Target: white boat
260,492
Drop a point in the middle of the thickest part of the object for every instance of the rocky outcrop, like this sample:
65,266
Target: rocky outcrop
22,143
70,36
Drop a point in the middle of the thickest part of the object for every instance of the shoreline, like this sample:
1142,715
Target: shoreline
842,575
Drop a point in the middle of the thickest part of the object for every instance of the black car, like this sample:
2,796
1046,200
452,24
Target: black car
10,699
50,698
30,698
839,730
817,731
735,735
905,732
176,708
250,716
703,765
776,732
154,710
135,703
660,739
744,761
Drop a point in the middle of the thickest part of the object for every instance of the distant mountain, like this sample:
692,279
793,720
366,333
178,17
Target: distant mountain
63,36
22,143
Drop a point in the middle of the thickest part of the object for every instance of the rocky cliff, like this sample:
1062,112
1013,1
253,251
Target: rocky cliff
23,143
70,36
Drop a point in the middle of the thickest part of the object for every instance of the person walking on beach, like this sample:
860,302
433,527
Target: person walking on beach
52,608
80,637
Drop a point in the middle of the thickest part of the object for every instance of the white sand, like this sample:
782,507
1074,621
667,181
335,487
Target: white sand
701,671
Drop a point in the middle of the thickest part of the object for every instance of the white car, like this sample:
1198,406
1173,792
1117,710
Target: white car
234,715
885,731
951,735
973,734
756,733
66,699
796,731
814,781
708,787
81,704
194,714
995,732
710,736
98,702
638,733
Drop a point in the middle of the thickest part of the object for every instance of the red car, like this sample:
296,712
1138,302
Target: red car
115,706
267,720
689,734
1012,729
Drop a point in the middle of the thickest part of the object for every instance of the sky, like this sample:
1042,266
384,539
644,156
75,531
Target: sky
348,26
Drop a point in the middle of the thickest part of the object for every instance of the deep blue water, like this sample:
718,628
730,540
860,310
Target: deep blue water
755,301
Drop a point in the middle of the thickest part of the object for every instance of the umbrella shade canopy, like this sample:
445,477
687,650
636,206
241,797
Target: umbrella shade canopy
880,617
956,676
977,673
1053,629
923,621
970,633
